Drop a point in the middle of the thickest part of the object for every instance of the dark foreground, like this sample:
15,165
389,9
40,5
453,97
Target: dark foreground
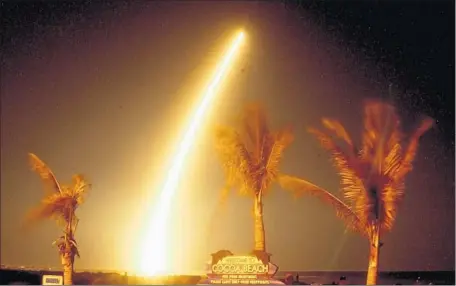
385,278
94,278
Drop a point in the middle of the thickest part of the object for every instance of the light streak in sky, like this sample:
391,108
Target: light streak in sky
155,249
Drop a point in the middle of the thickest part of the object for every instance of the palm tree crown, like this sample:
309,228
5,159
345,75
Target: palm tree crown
60,201
251,152
372,177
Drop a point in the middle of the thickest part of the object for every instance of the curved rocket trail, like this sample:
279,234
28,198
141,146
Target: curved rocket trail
154,248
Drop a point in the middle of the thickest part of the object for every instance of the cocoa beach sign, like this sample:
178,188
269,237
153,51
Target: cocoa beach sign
227,268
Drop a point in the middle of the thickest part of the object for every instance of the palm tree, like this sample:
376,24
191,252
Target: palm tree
372,178
59,204
250,153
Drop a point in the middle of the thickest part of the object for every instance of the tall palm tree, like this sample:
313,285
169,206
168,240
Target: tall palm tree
60,203
372,178
250,153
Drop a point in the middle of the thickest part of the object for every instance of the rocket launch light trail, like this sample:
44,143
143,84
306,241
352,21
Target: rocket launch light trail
154,248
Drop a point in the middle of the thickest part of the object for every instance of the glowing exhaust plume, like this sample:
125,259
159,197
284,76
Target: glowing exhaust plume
154,248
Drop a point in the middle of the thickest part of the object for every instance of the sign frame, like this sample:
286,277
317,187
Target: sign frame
44,279
254,268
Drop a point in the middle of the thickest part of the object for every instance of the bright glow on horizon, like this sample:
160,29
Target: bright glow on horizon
154,249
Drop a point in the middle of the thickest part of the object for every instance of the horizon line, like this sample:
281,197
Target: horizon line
25,268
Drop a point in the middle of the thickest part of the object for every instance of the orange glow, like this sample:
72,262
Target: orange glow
154,248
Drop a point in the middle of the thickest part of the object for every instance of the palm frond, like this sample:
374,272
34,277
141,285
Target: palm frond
80,183
338,129
343,211
393,148
392,161
65,244
254,129
74,223
410,152
370,134
378,117
391,196
350,170
50,182
74,247
59,240
398,166
60,244
395,133
232,153
80,188
52,207
281,140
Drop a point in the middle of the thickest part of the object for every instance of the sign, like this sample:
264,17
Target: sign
226,268
52,280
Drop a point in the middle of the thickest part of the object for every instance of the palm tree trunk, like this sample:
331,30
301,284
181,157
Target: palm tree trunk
67,269
68,256
260,241
374,242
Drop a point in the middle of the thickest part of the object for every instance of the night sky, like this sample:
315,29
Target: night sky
104,89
